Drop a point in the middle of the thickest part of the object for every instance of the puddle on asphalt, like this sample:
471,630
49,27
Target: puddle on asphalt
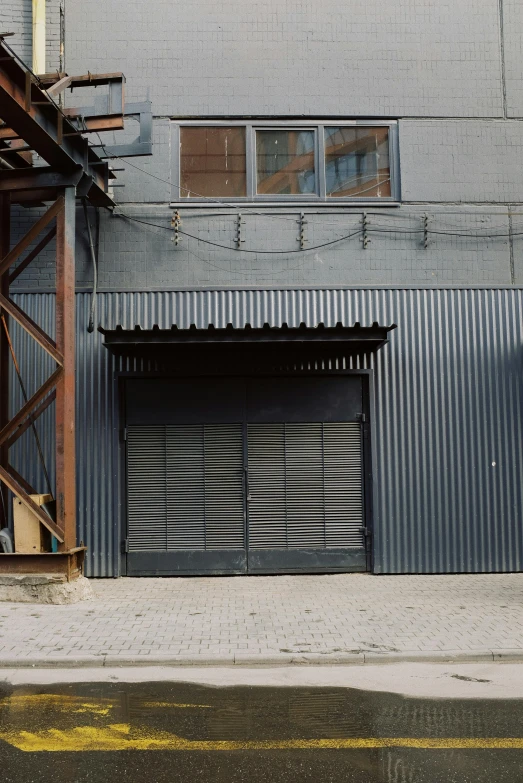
90,732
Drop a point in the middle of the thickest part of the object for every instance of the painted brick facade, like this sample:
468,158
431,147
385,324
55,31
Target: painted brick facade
451,73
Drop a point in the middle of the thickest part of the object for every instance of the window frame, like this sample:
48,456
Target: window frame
320,198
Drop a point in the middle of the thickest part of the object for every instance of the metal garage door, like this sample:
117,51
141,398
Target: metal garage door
186,498
305,495
278,490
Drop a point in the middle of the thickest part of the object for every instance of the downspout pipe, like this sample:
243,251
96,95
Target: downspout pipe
38,36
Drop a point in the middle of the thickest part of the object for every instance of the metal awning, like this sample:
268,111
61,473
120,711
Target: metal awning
356,338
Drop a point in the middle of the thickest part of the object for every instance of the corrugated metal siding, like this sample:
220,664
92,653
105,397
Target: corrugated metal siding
448,405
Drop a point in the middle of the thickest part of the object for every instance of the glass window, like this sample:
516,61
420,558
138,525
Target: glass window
271,161
357,162
285,162
212,162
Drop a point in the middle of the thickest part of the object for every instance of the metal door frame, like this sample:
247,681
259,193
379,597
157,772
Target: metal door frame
368,445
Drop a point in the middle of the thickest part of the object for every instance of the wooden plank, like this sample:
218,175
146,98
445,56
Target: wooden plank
46,520
28,531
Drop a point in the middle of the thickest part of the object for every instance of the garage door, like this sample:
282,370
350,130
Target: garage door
279,489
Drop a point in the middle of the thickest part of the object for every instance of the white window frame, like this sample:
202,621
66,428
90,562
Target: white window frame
320,198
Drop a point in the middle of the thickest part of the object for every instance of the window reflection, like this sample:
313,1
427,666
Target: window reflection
357,162
212,162
285,162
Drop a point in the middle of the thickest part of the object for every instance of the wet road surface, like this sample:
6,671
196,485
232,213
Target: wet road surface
156,732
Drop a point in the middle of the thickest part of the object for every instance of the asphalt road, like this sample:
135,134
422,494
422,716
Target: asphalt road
175,732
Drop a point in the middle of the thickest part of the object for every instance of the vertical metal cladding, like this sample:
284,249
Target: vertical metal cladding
447,422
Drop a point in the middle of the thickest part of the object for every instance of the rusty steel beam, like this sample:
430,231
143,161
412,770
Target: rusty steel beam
65,388
67,564
7,477
85,80
31,419
22,481
31,235
36,178
32,255
32,115
32,328
7,133
35,124
5,241
30,405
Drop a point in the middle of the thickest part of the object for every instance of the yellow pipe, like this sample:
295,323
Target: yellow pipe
39,36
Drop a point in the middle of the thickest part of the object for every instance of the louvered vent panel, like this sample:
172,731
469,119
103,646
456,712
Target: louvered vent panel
305,483
343,485
185,487
146,488
267,510
224,504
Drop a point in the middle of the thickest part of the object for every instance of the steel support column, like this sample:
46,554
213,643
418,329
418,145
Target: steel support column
60,384
5,240
65,388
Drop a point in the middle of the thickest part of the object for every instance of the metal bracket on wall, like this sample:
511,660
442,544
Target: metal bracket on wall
176,222
239,239
301,238
142,145
425,231
364,227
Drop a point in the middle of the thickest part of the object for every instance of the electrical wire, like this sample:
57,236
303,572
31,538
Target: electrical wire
299,250
240,250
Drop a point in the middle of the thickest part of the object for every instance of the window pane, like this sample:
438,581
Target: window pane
357,162
212,162
285,161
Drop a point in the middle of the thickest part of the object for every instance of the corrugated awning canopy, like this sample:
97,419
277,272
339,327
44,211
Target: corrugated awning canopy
357,338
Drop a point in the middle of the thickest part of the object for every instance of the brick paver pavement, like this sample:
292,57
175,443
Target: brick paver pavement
270,619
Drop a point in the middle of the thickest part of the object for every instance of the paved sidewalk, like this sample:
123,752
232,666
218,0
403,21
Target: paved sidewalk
342,618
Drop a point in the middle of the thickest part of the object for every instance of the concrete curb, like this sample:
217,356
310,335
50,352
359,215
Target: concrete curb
269,659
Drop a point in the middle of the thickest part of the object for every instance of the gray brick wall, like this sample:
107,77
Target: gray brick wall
436,66
513,53
52,31
296,56
16,17
467,161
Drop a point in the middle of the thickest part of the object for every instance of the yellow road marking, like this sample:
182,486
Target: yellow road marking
118,737
173,705
70,703
60,701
